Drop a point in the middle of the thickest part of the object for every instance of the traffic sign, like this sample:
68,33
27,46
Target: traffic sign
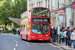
61,18
58,9
61,12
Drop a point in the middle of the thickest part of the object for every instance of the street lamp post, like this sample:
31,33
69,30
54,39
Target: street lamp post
71,22
58,21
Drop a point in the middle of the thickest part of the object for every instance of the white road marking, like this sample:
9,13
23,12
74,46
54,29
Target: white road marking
16,42
14,48
42,44
16,45
37,43
46,44
27,43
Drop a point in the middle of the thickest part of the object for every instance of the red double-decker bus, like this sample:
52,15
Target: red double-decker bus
35,24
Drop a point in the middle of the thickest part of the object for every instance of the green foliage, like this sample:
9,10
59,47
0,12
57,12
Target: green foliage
6,31
1,0
5,13
13,32
10,9
18,7
17,25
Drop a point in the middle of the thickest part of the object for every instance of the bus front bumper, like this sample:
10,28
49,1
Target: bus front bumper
40,38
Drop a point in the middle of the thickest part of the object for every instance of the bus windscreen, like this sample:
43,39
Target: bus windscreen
40,12
40,28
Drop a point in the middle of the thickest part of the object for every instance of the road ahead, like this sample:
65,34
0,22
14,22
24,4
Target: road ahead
13,42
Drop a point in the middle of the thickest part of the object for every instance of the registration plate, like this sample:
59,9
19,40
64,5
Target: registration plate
40,39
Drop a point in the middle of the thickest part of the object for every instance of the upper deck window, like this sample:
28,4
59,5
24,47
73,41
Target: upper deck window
40,12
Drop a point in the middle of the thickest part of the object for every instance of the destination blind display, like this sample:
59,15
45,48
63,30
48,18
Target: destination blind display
40,20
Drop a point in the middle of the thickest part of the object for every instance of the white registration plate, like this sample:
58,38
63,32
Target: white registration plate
40,39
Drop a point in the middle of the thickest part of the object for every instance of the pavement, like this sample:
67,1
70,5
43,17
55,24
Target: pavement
14,42
63,46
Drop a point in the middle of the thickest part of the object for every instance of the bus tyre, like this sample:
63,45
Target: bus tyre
27,38
21,36
49,41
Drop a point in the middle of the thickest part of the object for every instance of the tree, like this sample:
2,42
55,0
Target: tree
18,7
10,9
4,14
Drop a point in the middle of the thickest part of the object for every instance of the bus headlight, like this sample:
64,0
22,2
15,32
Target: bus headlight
47,35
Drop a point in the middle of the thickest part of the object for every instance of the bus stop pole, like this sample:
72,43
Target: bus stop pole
58,22
58,27
58,31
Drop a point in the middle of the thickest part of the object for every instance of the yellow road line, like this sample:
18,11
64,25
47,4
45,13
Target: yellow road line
55,46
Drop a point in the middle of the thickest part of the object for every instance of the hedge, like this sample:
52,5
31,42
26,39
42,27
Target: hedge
6,31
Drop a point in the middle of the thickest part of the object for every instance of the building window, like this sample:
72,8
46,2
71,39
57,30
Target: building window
31,5
46,3
23,28
39,3
49,4
66,2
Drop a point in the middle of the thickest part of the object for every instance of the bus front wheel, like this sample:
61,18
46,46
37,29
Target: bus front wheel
27,38
21,36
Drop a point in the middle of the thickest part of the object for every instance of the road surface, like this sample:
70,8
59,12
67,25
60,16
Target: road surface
14,42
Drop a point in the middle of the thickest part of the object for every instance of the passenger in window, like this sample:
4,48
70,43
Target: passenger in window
41,28
45,15
34,15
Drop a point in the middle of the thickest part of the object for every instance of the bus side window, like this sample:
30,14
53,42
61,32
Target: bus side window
23,28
